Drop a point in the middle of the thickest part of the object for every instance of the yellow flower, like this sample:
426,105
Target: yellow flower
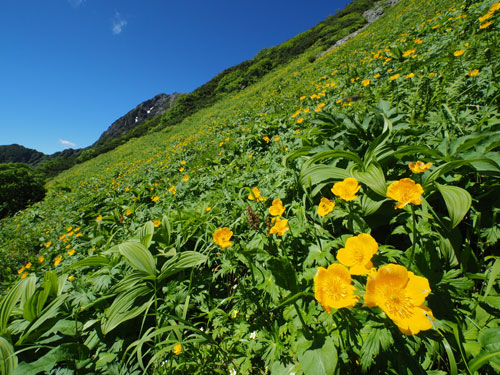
266,138
432,74
208,208
222,236
62,237
395,76
185,178
365,82
300,120
277,208
68,229
280,226
409,52
459,52
473,73
41,259
177,349
418,41
419,166
277,138
24,275
401,295
71,252
485,25
376,75
57,260
172,189
128,212
234,314
181,169
405,191
325,206
255,194
302,98
98,218
28,265
71,278
357,254
333,287
156,223
21,270
155,198
306,110
183,162
495,7
346,189
410,75
486,16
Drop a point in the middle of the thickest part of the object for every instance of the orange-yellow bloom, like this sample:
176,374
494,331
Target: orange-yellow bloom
48,244
156,223
357,254
395,76
255,194
473,73
155,198
41,259
401,295
325,206
98,218
177,349
409,52
222,236
280,226
346,189
333,287
485,25
365,82
277,208
419,166
57,260
405,191
459,52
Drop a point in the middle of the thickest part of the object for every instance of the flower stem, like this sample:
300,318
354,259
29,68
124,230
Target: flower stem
414,233
307,332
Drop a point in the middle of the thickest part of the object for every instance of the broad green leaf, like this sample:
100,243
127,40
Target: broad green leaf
333,154
482,359
284,273
318,173
373,177
181,261
166,229
64,352
320,361
123,308
91,261
8,360
52,283
492,277
458,202
49,312
34,306
138,256
377,338
489,338
9,302
377,144
370,206
146,233
303,151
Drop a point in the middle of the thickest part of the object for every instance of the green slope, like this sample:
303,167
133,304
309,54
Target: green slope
145,222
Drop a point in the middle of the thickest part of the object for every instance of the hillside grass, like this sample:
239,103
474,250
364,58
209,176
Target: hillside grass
128,265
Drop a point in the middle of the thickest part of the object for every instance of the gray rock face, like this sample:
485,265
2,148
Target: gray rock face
143,112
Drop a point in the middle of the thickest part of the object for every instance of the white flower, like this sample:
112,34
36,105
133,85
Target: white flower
232,372
253,335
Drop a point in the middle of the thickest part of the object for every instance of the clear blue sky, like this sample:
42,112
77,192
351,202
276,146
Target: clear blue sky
69,68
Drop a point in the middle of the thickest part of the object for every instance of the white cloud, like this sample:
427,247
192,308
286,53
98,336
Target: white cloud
76,3
118,23
67,144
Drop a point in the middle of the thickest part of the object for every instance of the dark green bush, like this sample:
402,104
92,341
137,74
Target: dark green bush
20,186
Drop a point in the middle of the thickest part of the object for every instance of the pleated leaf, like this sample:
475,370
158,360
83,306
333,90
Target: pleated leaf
458,202
8,360
138,256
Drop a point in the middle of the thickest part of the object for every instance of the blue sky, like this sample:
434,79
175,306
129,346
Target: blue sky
69,68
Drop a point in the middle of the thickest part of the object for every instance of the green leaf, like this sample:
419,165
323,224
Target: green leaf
181,261
373,177
123,309
319,173
458,202
64,352
146,233
320,361
370,206
8,360
138,256
166,229
492,277
284,273
91,261
483,358
9,302
489,338
377,144
378,338
333,154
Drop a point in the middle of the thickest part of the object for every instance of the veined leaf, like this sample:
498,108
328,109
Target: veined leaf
91,261
378,143
489,338
166,228
8,360
303,151
138,256
373,177
319,173
458,202
492,277
181,261
9,302
333,154
123,309
321,361
146,233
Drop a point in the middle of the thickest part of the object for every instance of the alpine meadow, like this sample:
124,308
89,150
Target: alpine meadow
327,208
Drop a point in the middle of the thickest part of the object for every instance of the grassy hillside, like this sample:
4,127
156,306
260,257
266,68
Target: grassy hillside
281,230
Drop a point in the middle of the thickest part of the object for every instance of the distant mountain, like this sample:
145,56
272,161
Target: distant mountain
19,154
143,112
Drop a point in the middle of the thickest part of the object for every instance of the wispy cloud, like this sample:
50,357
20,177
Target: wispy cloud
67,144
76,3
118,23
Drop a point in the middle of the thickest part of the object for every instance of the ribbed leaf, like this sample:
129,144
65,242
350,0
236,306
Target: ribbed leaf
181,261
9,302
8,360
492,277
94,260
319,173
138,256
489,338
373,177
146,233
458,202
333,154
376,146
303,151
166,229
320,361
123,309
